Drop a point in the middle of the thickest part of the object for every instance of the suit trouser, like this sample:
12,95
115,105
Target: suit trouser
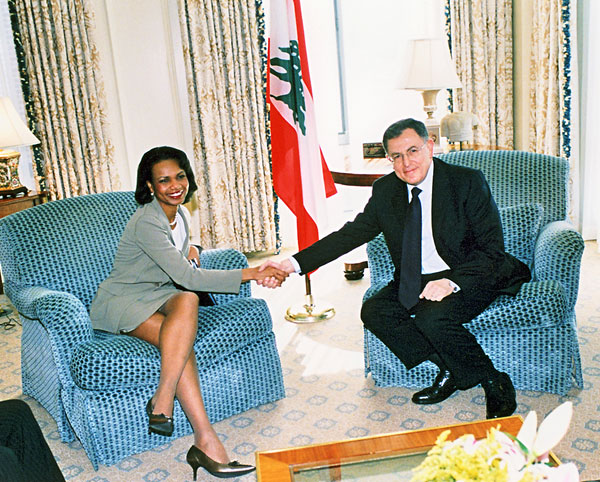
431,327
25,455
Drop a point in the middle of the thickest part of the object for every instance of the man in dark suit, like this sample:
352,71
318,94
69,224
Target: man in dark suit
459,266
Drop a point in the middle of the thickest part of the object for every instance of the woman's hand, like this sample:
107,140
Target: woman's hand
193,253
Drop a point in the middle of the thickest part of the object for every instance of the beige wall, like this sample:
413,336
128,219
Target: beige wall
142,65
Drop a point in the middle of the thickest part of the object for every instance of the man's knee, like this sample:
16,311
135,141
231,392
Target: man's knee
16,410
365,311
369,313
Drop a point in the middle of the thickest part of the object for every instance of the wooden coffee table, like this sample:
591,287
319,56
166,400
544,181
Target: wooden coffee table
289,464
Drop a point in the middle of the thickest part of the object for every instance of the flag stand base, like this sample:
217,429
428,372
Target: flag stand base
309,312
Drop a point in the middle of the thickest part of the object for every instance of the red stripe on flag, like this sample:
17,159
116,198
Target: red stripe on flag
293,126
330,188
287,178
302,46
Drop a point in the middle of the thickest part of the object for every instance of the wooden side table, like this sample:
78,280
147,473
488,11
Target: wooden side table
10,205
355,271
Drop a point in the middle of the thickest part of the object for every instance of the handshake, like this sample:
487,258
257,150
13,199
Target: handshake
270,274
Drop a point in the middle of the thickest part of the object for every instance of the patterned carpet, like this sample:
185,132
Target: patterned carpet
328,397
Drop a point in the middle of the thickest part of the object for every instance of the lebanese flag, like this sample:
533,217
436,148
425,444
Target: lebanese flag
300,175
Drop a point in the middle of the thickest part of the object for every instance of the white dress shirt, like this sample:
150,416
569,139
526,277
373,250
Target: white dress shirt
431,262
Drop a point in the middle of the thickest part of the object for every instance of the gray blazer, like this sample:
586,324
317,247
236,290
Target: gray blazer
146,268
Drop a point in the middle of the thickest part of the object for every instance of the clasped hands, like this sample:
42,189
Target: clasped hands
271,274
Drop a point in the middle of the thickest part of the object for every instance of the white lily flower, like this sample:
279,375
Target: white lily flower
528,430
562,473
553,428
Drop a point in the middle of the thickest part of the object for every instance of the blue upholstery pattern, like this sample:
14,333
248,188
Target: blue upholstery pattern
525,219
531,336
95,384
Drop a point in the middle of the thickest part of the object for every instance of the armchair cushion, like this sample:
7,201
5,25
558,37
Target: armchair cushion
111,362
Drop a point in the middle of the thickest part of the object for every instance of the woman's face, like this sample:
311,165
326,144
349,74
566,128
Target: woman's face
169,183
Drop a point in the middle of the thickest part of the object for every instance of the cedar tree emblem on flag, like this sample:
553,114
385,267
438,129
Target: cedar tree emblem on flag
300,175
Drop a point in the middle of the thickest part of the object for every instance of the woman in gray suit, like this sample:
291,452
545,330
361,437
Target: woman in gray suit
149,294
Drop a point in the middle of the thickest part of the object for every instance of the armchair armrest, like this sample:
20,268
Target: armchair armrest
222,259
557,256
64,317
381,267
374,288
225,259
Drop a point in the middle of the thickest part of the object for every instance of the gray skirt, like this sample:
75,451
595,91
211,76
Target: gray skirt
125,312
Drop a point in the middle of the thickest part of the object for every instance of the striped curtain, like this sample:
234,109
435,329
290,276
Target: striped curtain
224,52
66,95
480,34
550,96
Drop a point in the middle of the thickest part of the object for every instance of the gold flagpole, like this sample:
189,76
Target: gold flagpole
308,312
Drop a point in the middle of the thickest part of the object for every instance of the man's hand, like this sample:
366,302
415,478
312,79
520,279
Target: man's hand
287,266
270,282
437,290
270,274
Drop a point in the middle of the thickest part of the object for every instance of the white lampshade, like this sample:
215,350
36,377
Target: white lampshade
13,131
430,66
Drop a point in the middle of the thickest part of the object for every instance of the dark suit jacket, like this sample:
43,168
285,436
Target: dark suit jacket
466,229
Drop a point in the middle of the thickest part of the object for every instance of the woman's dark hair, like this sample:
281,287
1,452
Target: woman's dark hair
154,156
397,128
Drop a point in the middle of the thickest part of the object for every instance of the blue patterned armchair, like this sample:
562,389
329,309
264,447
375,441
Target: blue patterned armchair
94,384
532,336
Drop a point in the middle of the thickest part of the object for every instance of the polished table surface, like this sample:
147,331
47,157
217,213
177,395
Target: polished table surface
280,465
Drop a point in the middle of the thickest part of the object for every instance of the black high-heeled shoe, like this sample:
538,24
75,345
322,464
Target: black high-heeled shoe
196,458
159,423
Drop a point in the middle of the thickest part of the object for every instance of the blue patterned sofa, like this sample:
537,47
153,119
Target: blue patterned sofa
95,385
532,336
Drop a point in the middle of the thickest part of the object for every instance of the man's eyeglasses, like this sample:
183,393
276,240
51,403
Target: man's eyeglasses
411,154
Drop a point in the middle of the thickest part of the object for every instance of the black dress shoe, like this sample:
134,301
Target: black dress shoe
159,423
443,386
196,458
500,396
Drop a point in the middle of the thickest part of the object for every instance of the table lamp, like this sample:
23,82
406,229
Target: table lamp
13,133
430,69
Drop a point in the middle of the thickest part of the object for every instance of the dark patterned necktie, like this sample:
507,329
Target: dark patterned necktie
410,264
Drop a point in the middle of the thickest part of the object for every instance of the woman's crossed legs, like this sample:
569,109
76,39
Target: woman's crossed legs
173,330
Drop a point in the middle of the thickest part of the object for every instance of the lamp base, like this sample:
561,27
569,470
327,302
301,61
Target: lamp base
432,124
433,128
10,185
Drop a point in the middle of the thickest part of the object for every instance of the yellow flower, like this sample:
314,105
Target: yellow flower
461,460
499,457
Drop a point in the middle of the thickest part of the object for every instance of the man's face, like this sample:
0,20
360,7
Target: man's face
411,156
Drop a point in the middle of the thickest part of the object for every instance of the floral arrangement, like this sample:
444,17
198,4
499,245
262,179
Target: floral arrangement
500,457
